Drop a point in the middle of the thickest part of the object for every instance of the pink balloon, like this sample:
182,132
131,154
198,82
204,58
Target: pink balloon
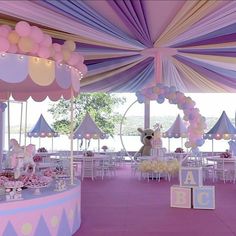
73,60
5,30
58,57
57,47
36,34
47,41
4,44
44,52
80,57
83,68
13,48
23,28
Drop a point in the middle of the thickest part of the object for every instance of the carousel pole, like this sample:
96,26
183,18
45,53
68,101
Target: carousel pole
25,133
71,137
2,131
21,118
8,125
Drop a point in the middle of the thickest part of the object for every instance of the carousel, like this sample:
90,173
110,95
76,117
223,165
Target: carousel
37,201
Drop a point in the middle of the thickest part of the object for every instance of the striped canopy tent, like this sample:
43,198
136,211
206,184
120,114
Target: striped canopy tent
177,130
88,130
128,44
41,130
223,129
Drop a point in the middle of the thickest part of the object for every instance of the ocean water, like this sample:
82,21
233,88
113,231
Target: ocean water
131,143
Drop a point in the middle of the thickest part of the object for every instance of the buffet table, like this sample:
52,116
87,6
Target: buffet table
48,214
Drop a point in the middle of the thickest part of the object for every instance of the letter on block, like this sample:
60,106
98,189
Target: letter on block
190,176
204,197
180,197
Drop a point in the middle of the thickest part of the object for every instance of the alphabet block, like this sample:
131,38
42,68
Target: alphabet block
204,197
180,197
190,176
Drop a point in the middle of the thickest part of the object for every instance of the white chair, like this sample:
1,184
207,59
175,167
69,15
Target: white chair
220,171
100,168
120,158
134,165
233,173
87,168
207,168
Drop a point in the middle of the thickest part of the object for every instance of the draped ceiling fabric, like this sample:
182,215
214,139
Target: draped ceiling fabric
129,45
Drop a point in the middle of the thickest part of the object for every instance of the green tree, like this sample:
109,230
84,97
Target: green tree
101,107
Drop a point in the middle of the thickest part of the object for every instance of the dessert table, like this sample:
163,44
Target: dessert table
48,214
46,155
218,158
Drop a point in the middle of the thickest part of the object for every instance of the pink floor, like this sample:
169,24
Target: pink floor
125,206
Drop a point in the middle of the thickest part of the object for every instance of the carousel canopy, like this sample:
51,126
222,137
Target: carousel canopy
177,130
88,129
223,129
190,43
42,129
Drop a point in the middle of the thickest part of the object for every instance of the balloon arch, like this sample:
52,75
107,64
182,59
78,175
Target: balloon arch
197,124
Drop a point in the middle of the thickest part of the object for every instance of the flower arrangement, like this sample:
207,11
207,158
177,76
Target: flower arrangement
159,166
179,150
88,154
49,173
3,179
37,158
226,154
42,149
104,148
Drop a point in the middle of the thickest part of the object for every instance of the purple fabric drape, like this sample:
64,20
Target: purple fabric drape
133,15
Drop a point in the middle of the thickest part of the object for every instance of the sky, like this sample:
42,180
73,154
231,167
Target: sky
210,105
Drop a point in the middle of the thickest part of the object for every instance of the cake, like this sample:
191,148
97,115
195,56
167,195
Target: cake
157,149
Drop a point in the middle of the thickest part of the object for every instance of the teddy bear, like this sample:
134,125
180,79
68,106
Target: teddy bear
146,138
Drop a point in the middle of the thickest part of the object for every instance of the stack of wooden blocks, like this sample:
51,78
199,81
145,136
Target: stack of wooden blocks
191,193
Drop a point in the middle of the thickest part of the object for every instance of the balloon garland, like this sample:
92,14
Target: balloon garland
30,40
197,123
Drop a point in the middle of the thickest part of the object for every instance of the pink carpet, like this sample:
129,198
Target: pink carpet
125,206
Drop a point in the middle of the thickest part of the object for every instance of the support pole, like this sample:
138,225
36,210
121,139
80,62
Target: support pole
147,114
8,125
168,144
2,131
71,138
212,147
21,118
52,144
99,144
26,116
